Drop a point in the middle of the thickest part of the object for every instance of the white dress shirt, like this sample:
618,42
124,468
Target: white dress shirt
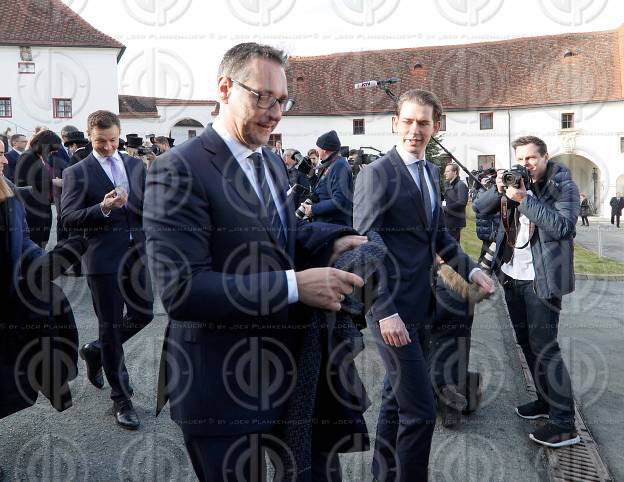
520,266
241,153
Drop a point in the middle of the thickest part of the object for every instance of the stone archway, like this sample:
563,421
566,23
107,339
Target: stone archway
588,177
185,129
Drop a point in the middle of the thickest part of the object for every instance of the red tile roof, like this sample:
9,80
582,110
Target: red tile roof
512,73
135,106
48,23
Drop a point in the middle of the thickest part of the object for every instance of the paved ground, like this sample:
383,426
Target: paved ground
83,443
602,237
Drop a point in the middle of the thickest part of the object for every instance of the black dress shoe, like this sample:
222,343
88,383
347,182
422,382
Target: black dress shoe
93,360
450,405
125,415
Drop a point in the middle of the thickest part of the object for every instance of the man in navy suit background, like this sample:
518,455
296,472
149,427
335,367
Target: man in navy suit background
18,146
398,196
228,256
103,197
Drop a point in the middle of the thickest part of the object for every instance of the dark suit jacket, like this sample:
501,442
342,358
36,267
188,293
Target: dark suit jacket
387,201
36,326
12,157
84,187
59,161
456,197
220,275
33,172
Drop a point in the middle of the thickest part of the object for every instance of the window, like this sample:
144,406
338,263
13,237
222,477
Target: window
5,107
273,138
443,122
486,161
358,127
62,108
26,67
487,120
192,133
622,145
567,121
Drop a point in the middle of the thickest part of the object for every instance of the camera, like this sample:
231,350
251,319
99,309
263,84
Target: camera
303,163
512,176
153,149
363,159
300,212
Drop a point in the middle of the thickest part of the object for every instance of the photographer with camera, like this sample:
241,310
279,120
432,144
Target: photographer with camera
297,171
332,194
539,202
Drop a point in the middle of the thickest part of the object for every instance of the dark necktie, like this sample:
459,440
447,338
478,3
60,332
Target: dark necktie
270,210
424,190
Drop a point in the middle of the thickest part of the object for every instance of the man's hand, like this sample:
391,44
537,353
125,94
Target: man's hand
393,331
113,200
517,193
57,182
485,284
345,243
308,210
325,288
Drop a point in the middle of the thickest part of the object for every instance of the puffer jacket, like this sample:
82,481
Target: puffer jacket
554,211
487,225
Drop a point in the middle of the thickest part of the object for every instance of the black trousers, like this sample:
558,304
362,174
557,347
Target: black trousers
536,322
615,217
242,458
130,288
455,233
407,414
450,340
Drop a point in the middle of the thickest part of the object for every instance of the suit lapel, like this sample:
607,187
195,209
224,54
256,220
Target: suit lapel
98,171
432,172
235,180
407,180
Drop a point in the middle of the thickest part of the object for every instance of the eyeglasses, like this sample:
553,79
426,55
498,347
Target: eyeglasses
267,101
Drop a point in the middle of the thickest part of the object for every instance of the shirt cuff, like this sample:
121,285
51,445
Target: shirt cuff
474,270
293,292
387,317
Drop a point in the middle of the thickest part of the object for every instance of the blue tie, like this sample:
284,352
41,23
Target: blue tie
424,189
270,210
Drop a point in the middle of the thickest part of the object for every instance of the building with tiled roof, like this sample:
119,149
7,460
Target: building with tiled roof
568,89
56,67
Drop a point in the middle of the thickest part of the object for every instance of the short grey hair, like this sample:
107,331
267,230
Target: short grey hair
236,60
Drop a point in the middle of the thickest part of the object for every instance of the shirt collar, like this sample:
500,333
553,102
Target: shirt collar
405,156
238,150
102,159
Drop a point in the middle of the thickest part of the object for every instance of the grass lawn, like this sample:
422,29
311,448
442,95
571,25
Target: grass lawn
585,261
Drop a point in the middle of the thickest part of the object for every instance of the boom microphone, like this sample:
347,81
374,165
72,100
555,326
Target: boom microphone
376,83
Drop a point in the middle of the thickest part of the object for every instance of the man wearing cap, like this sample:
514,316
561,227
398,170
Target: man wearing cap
334,189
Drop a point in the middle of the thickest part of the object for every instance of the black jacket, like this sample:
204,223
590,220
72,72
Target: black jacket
554,211
456,197
38,336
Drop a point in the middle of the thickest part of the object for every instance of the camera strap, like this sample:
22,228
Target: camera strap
511,222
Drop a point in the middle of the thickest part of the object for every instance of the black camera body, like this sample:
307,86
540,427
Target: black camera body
511,177
153,149
303,163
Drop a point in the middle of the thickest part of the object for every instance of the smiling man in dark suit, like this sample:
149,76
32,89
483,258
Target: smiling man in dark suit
398,196
222,238
103,197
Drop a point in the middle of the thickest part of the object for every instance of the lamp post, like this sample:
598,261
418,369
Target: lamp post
595,179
